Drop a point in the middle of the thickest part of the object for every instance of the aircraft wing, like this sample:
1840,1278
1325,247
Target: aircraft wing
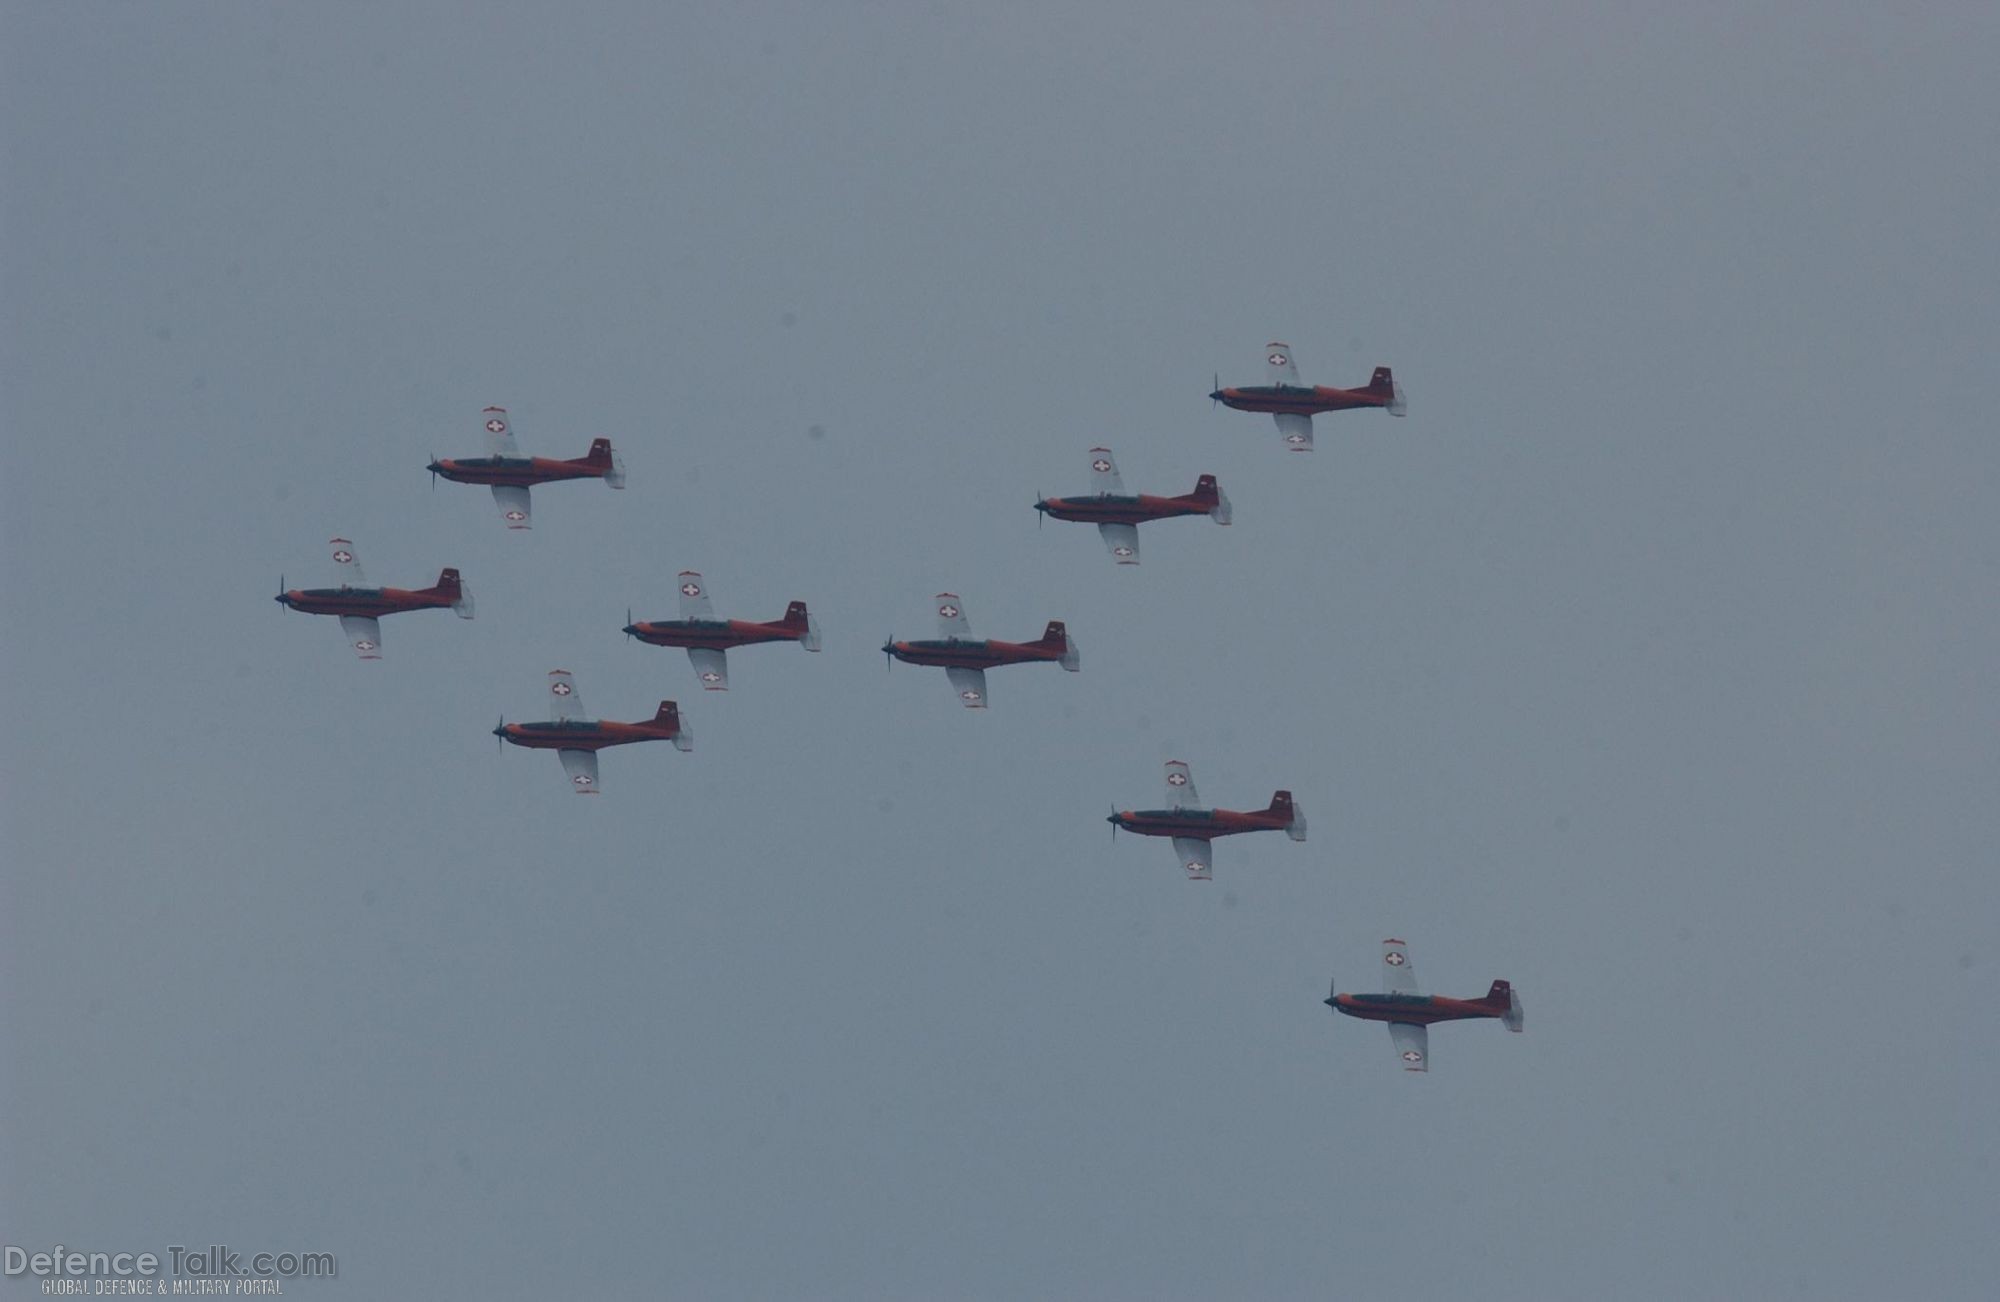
513,503
346,565
970,684
581,765
694,597
711,666
1197,856
499,433
1180,786
1399,975
1413,1045
1296,430
952,622
1279,368
1104,480
363,634
1122,540
565,704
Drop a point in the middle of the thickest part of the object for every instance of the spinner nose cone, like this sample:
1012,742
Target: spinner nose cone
1218,395
888,648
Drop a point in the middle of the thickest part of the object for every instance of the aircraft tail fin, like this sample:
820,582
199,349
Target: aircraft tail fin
1057,638
1503,998
668,720
1295,821
799,618
604,458
1383,385
453,589
1207,493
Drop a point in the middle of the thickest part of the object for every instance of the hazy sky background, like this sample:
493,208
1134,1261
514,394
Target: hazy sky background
1649,664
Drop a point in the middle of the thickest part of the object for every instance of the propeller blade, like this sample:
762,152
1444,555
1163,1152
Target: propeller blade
500,734
628,623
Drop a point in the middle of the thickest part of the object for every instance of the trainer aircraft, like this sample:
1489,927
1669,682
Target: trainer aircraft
511,474
1194,828
708,639
1293,403
1118,515
965,660
576,738
360,606
1409,1012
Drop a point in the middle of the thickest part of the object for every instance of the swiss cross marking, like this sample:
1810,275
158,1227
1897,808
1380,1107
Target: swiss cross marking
1394,959
560,688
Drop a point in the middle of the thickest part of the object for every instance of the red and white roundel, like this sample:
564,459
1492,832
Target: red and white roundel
1194,865
343,558
364,645
1277,359
948,611
969,694
497,426
560,688
1411,1055
1176,779
1121,551
1100,465
1295,439
690,589
581,779
517,515
1394,958
710,676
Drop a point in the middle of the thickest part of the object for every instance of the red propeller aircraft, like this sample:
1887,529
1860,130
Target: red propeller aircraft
360,606
966,660
1409,1013
708,639
1118,516
1293,403
1193,828
576,738
510,473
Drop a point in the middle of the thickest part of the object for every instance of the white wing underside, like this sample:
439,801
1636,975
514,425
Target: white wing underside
1104,478
970,684
363,634
711,666
1122,541
1197,856
1399,974
346,565
695,603
1280,367
499,433
1180,786
951,617
1413,1045
1296,430
581,766
565,702
515,510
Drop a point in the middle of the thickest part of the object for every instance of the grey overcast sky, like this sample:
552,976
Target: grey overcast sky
1650,663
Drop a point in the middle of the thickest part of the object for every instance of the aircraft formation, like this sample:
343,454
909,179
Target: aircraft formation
1192,828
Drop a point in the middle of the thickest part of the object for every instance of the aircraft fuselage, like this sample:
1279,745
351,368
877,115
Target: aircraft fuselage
1417,1010
984,653
517,472
1290,400
715,634
584,734
363,601
1108,508
1198,824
